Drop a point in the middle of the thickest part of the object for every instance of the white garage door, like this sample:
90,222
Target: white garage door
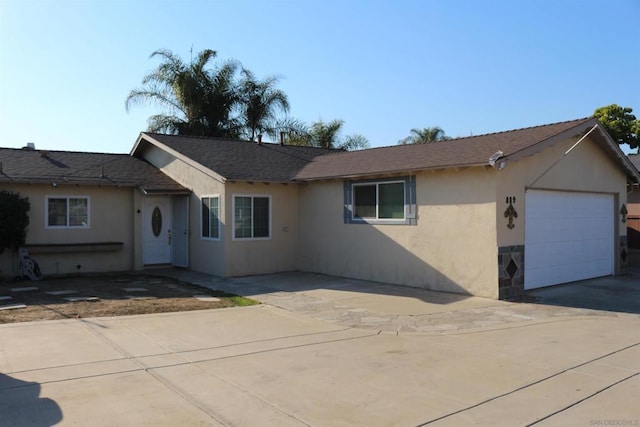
568,237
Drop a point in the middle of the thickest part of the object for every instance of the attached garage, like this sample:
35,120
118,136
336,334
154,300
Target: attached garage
569,236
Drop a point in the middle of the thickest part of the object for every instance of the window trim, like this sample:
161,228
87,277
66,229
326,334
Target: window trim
202,237
410,207
66,227
233,213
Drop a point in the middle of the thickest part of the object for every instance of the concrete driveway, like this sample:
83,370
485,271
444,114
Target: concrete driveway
326,361
619,294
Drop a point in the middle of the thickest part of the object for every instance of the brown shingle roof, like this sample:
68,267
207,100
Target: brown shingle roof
243,160
635,159
65,167
248,161
461,152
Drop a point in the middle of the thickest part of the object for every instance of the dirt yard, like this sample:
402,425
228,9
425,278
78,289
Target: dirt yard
104,296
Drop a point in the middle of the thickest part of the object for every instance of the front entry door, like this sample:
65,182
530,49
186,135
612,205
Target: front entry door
180,237
157,230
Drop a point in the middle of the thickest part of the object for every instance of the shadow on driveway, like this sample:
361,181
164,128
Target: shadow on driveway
21,404
619,294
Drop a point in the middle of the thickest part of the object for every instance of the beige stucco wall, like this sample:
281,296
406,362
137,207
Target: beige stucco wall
452,247
227,256
111,219
204,255
279,252
586,168
138,205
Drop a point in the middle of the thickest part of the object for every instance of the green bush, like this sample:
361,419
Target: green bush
14,220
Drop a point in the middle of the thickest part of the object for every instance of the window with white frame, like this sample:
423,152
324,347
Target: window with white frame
210,218
67,212
387,201
251,217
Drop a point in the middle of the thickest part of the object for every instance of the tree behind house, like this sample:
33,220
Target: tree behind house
327,135
260,103
197,98
424,136
620,123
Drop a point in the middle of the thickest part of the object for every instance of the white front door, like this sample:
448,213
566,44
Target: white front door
156,230
180,231
568,237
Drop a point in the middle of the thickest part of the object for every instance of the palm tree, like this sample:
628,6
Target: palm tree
424,136
327,135
198,100
259,103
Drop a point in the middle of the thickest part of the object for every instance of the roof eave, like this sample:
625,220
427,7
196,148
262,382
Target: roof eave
62,181
390,172
262,181
164,191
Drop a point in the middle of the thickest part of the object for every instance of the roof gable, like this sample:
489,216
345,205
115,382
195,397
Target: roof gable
238,160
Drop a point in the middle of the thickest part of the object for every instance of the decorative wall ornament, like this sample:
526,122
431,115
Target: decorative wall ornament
511,212
623,212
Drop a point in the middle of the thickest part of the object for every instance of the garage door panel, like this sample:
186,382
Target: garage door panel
568,237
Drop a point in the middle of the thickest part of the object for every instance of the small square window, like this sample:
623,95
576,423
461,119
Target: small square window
390,201
67,212
252,217
379,200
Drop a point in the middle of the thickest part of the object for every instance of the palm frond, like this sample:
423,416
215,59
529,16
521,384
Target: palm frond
142,96
354,142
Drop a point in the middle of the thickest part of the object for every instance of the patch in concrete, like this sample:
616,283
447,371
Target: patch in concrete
82,299
24,289
437,328
135,289
178,288
12,306
65,292
374,319
206,298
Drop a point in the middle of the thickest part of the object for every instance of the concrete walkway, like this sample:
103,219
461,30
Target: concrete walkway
324,361
391,308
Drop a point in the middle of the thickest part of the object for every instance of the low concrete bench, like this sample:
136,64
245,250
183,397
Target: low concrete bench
47,248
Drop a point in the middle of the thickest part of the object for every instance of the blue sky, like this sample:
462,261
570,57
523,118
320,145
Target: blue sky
384,67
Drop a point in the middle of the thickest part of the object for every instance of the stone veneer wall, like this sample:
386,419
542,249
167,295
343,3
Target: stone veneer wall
624,254
511,268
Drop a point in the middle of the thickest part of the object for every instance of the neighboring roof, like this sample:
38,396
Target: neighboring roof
238,160
635,160
65,167
249,161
